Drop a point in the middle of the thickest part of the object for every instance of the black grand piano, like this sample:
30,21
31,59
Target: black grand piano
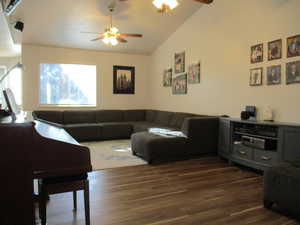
33,150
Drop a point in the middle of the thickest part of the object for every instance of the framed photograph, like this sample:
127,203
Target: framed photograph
293,46
274,75
257,53
179,85
275,50
167,78
194,73
180,62
293,72
256,76
124,79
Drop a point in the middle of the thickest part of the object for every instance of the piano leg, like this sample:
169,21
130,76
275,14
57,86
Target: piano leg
75,200
87,202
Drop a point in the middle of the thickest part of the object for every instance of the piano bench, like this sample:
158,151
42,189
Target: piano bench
64,184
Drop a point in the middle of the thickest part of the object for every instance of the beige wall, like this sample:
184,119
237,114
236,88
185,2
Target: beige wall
220,35
32,56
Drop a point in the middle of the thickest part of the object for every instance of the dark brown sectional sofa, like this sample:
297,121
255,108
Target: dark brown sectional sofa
95,125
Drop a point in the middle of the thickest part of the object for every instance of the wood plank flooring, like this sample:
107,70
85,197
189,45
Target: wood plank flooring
199,191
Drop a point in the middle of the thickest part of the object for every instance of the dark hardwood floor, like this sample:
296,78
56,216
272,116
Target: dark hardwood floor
200,191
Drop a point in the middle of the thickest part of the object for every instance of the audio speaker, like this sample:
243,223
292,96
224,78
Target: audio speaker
19,26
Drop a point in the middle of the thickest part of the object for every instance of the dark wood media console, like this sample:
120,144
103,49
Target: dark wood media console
258,144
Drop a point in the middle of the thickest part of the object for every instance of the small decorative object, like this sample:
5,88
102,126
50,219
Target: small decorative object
194,73
179,85
124,79
293,46
180,62
167,78
257,53
267,114
256,76
293,72
245,115
274,75
275,50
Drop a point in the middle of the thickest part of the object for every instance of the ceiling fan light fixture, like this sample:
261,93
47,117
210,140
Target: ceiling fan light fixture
114,30
162,5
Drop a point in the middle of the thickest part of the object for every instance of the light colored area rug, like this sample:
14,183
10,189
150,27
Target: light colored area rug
112,154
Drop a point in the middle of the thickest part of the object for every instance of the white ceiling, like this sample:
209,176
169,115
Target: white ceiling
60,23
7,47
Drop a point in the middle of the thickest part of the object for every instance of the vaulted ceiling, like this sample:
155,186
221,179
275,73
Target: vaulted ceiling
60,23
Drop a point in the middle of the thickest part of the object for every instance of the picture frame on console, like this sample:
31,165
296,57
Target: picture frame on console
256,76
275,50
179,62
123,80
293,72
274,75
257,53
293,46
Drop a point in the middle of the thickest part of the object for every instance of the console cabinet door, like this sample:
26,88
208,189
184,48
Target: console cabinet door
289,143
224,137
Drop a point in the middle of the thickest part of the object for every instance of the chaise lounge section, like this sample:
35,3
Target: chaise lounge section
200,133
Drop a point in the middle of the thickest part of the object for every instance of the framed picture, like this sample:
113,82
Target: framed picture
167,78
293,72
179,62
275,50
179,85
194,73
274,75
124,79
257,53
256,76
293,46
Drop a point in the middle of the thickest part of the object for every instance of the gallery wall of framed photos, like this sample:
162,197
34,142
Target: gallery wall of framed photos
178,78
276,62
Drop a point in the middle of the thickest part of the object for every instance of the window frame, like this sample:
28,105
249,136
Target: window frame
65,105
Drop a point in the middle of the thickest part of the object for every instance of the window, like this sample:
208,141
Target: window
14,82
68,84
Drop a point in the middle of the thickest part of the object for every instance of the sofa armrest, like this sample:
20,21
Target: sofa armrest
202,133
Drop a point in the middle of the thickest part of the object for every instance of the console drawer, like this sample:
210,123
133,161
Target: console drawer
242,151
265,157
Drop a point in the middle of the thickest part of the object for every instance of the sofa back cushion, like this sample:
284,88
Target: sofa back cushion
150,115
163,117
79,116
134,115
109,116
52,116
178,118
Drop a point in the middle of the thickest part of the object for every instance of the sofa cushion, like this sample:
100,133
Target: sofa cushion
112,130
163,117
109,116
79,116
52,116
178,118
150,115
134,115
84,131
144,126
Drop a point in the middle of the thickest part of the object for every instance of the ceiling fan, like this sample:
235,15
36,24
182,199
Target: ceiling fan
111,35
167,5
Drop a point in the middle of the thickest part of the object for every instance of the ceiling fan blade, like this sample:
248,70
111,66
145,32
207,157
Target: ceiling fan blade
120,39
97,39
84,32
131,35
204,1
